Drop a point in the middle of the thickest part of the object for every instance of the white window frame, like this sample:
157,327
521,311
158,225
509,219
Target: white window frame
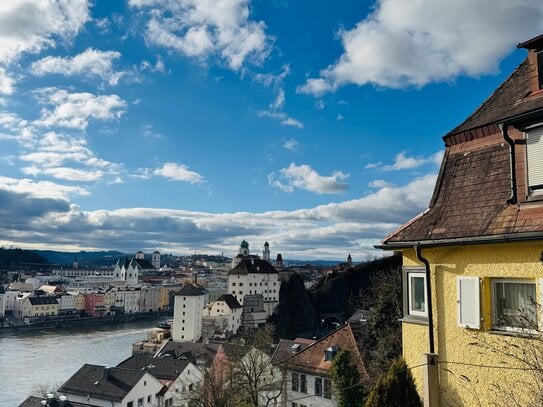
538,192
418,274
493,282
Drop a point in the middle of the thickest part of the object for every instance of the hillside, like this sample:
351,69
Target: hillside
19,258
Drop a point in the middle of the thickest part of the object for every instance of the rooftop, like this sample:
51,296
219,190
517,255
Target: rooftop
230,300
253,265
161,368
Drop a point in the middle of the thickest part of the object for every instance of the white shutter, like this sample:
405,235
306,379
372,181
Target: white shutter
534,145
469,305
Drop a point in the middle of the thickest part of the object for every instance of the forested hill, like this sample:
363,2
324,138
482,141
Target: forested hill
17,258
343,291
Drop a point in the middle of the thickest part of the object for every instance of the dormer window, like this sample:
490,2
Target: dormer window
330,353
534,147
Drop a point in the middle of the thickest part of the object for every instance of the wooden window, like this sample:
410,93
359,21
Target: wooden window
303,383
468,300
534,149
318,386
295,382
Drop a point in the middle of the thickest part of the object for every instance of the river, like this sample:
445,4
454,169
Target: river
29,359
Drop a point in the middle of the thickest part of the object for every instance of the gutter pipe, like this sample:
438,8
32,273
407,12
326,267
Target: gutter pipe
503,127
428,297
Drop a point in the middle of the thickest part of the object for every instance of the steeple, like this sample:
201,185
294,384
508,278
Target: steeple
349,259
266,252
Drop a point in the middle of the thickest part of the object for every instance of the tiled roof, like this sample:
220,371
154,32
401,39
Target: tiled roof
312,360
108,383
201,352
161,368
511,99
143,264
191,290
230,300
253,265
287,348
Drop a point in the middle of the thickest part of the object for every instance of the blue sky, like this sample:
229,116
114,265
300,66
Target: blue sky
190,125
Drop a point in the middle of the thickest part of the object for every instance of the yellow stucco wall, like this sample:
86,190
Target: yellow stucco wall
464,353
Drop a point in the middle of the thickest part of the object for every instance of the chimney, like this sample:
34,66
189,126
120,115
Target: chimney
535,60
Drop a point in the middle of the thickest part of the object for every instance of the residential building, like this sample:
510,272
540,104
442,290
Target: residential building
188,312
166,291
472,261
224,315
307,366
79,300
150,298
127,299
182,378
11,297
43,306
66,303
3,300
95,304
101,386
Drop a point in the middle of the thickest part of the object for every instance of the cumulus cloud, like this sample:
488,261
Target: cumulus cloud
404,162
90,63
33,25
40,189
178,172
282,117
75,110
206,28
410,44
325,231
305,177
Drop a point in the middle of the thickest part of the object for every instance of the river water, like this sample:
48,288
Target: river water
32,358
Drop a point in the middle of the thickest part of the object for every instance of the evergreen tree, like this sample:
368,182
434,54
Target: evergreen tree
395,389
346,380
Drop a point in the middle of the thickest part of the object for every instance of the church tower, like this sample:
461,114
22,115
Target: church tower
279,262
349,259
244,248
155,261
266,252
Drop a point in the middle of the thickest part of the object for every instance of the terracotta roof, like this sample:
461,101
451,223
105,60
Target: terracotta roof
161,368
253,265
230,300
311,359
512,98
287,348
199,352
108,383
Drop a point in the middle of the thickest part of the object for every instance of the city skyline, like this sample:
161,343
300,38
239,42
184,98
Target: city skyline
193,125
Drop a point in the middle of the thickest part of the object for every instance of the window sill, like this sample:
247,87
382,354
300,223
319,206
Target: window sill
412,319
517,334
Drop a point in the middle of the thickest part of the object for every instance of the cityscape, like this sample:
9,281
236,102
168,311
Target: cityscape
243,203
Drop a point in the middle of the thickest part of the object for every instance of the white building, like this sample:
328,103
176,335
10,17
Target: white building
227,309
188,311
66,302
113,387
127,298
252,275
155,259
11,297
3,300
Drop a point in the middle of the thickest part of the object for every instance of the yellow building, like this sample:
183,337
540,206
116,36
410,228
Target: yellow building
79,300
40,306
164,297
473,272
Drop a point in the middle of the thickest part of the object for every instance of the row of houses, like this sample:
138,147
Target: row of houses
291,373
50,301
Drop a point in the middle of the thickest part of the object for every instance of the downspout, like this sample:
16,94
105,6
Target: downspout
513,198
428,297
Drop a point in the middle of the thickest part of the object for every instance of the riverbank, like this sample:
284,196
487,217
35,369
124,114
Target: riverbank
65,322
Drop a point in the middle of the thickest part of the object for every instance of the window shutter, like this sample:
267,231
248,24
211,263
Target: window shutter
469,308
534,145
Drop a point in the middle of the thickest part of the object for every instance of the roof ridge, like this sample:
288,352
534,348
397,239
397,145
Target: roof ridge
486,101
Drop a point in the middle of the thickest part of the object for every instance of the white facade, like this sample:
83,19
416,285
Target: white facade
76,272
221,309
187,317
19,305
66,302
306,388
155,259
128,298
187,384
266,284
145,390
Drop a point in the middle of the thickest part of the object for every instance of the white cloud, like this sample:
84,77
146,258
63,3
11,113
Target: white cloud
402,44
339,117
7,84
65,173
282,117
178,172
325,231
379,183
33,25
74,110
90,63
40,189
305,177
204,28
404,162
291,144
